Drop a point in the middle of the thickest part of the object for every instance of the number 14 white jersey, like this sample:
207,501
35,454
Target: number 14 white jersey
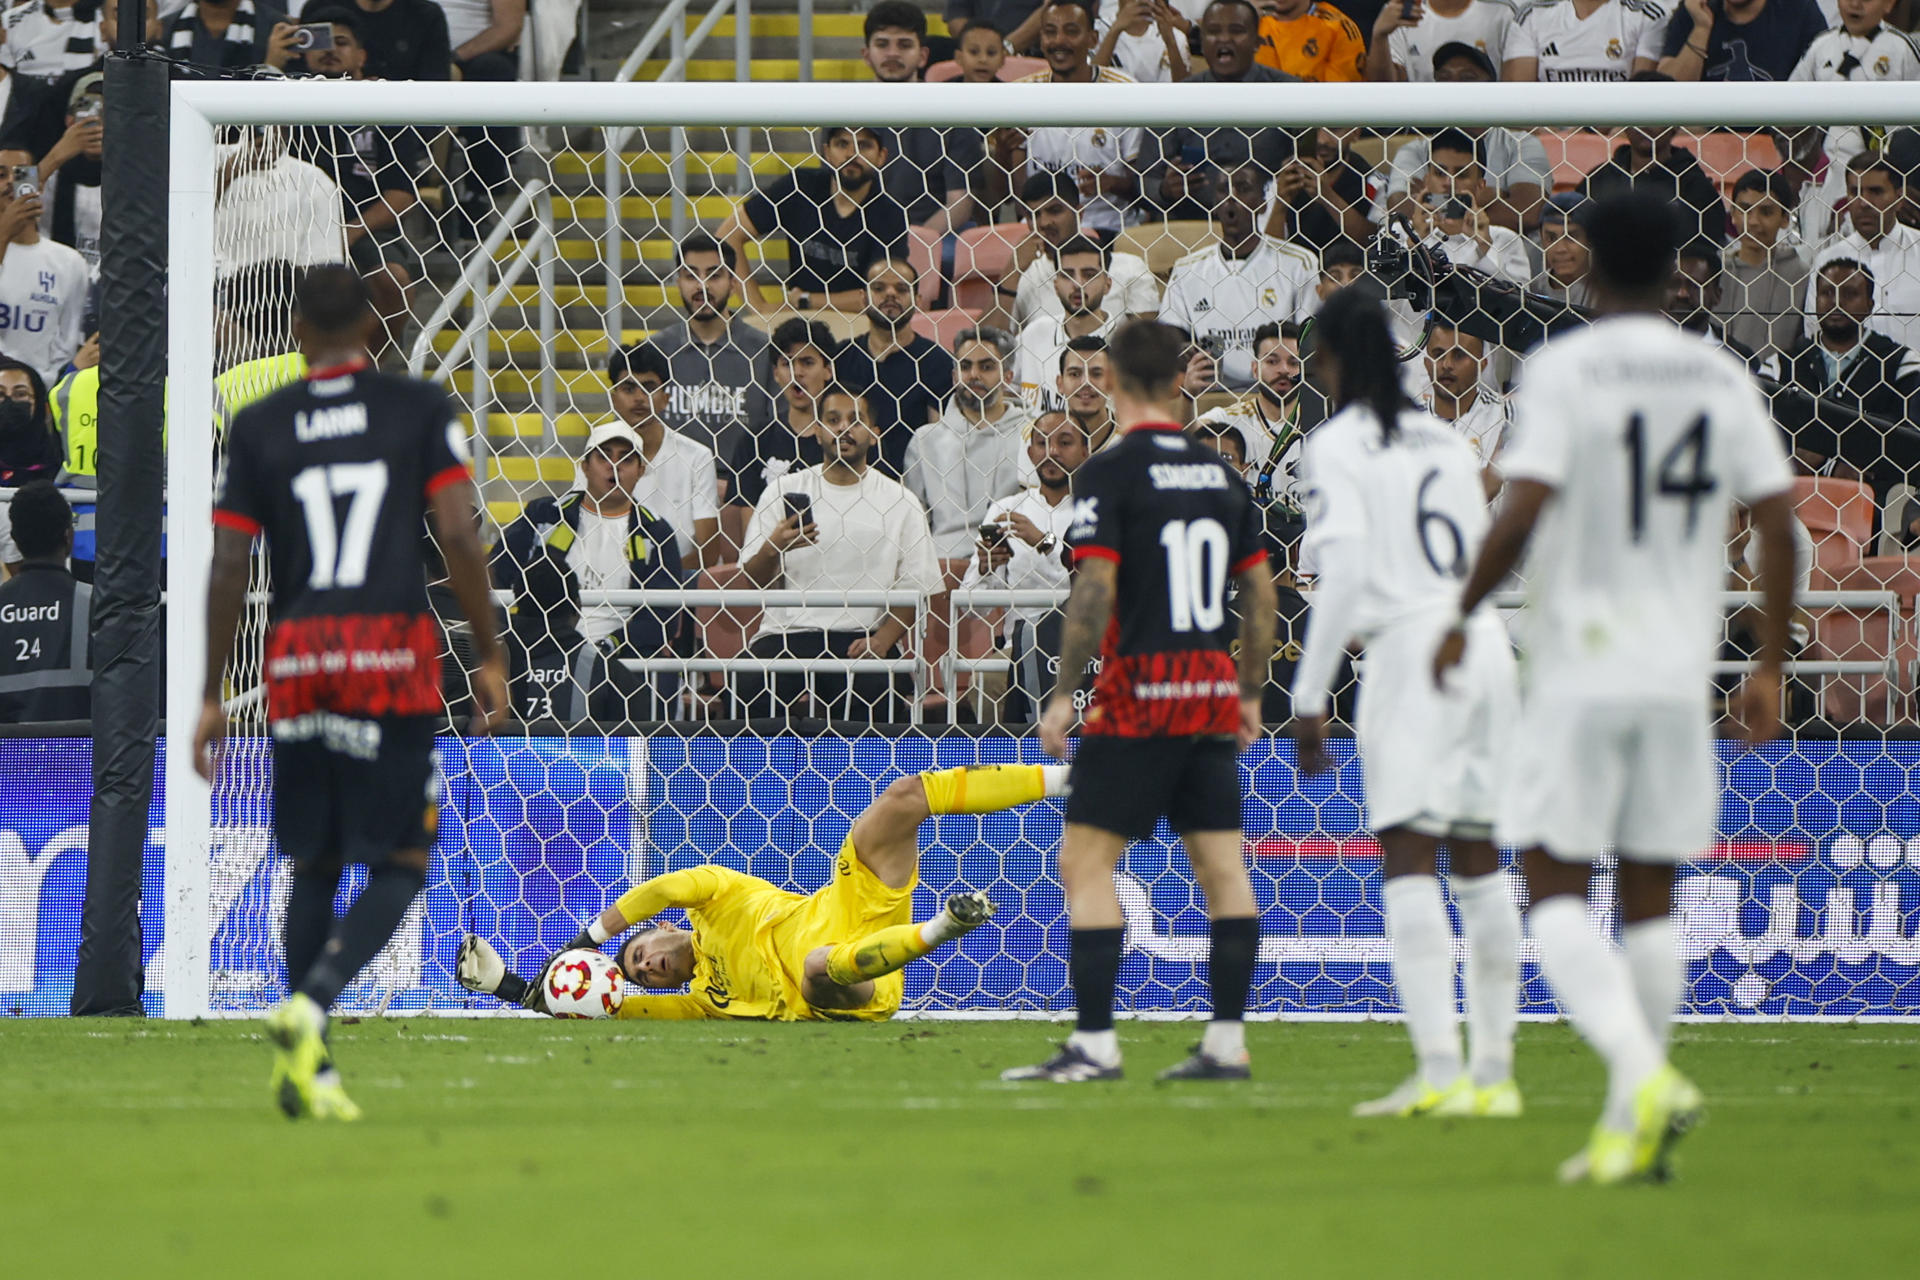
1416,506
1648,436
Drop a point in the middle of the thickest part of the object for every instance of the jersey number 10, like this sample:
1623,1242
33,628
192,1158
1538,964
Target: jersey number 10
1196,573
340,553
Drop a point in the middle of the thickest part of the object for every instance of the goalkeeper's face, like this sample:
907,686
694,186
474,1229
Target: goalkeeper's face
660,959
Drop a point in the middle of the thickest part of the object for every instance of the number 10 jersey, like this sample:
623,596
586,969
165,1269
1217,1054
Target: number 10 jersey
1180,523
335,471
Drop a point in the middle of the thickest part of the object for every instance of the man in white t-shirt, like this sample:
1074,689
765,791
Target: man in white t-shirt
1053,211
837,526
678,480
1560,40
1632,442
1450,210
1028,554
43,284
270,207
1081,283
1220,295
1458,395
1100,159
1404,43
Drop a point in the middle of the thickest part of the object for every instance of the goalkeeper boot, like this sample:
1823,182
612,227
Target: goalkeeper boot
1666,1108
1069,1066
297,1027
1201,1065
967,912
1415,1097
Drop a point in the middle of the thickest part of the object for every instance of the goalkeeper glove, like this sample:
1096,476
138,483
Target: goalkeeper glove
481,967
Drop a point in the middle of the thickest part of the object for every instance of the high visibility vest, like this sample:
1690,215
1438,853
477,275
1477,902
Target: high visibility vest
76,416
252,380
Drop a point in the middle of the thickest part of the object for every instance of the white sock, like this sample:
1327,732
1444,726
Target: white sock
1054,778
1490,918
1102,1046
1657,971
1591,981
1224,1041
1423,971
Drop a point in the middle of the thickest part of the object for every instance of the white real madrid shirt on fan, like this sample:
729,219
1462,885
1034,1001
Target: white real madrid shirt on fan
1483,425
1099,148
1221,300
45,42
1392,526
1483,25
873,536
1603,46
1036,360
1881,54
43,301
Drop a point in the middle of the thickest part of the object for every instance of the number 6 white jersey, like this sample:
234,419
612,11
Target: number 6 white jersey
1648,436
1417,505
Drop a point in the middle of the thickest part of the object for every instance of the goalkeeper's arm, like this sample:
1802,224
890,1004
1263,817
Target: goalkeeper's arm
690,888
481,969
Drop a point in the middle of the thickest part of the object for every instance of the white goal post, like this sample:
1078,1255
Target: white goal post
199,109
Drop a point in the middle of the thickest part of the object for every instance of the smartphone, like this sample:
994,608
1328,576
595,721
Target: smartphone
26,181
313,35
1406,9
801,504
1459,206
992,532
90,108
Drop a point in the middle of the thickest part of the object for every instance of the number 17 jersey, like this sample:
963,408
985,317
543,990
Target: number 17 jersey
335,472
1648,436
1179,522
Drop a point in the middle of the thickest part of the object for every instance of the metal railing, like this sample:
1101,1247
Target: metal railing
541,250
981,599
671,25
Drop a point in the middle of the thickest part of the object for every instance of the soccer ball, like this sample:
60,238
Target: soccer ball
584,984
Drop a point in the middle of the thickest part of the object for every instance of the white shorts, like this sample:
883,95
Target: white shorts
1432,760
1589,776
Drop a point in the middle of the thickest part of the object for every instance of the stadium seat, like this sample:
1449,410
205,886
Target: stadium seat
1015,68
1839,515
1572,154
1724,156
941,326
1164,243
981,259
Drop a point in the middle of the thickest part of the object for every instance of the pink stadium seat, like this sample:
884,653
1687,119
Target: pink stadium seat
923,251
1013,70
1861,635
941,326
983,256
1573,154
1725,156
1839,514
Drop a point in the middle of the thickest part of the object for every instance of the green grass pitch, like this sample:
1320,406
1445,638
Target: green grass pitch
532,1148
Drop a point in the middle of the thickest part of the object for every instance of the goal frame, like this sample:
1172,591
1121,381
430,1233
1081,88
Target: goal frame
199,108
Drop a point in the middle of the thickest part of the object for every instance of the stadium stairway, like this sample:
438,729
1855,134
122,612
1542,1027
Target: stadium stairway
529,456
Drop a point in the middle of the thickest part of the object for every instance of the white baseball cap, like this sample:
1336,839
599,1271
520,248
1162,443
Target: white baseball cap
602,435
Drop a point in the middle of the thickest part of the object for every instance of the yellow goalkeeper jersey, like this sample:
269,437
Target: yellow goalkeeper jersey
751,940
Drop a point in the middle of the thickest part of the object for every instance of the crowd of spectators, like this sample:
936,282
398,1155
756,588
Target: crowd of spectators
869,419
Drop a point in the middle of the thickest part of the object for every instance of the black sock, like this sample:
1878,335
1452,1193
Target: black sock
309,919
367,926
1236,945
1093,964
514,989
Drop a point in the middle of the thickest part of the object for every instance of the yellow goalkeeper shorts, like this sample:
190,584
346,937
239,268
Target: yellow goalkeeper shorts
853,903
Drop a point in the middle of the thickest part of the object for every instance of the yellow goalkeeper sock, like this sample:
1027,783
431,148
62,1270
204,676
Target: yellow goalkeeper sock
988,788
877,954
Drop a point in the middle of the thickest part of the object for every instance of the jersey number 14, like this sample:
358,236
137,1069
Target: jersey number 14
1682,474
340,551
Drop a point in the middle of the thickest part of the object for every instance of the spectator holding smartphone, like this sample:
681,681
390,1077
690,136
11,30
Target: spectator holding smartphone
43,284
842,526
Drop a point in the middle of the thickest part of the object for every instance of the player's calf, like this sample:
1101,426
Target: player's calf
893,948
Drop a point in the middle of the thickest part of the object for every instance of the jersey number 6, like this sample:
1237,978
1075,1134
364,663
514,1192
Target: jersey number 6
1453,564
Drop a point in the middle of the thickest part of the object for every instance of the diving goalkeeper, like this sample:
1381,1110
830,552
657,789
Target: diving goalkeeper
759,951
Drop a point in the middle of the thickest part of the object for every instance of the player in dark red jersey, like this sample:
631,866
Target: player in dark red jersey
338,472
1160,525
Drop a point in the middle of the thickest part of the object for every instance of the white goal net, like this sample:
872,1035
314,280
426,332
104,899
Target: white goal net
703,268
